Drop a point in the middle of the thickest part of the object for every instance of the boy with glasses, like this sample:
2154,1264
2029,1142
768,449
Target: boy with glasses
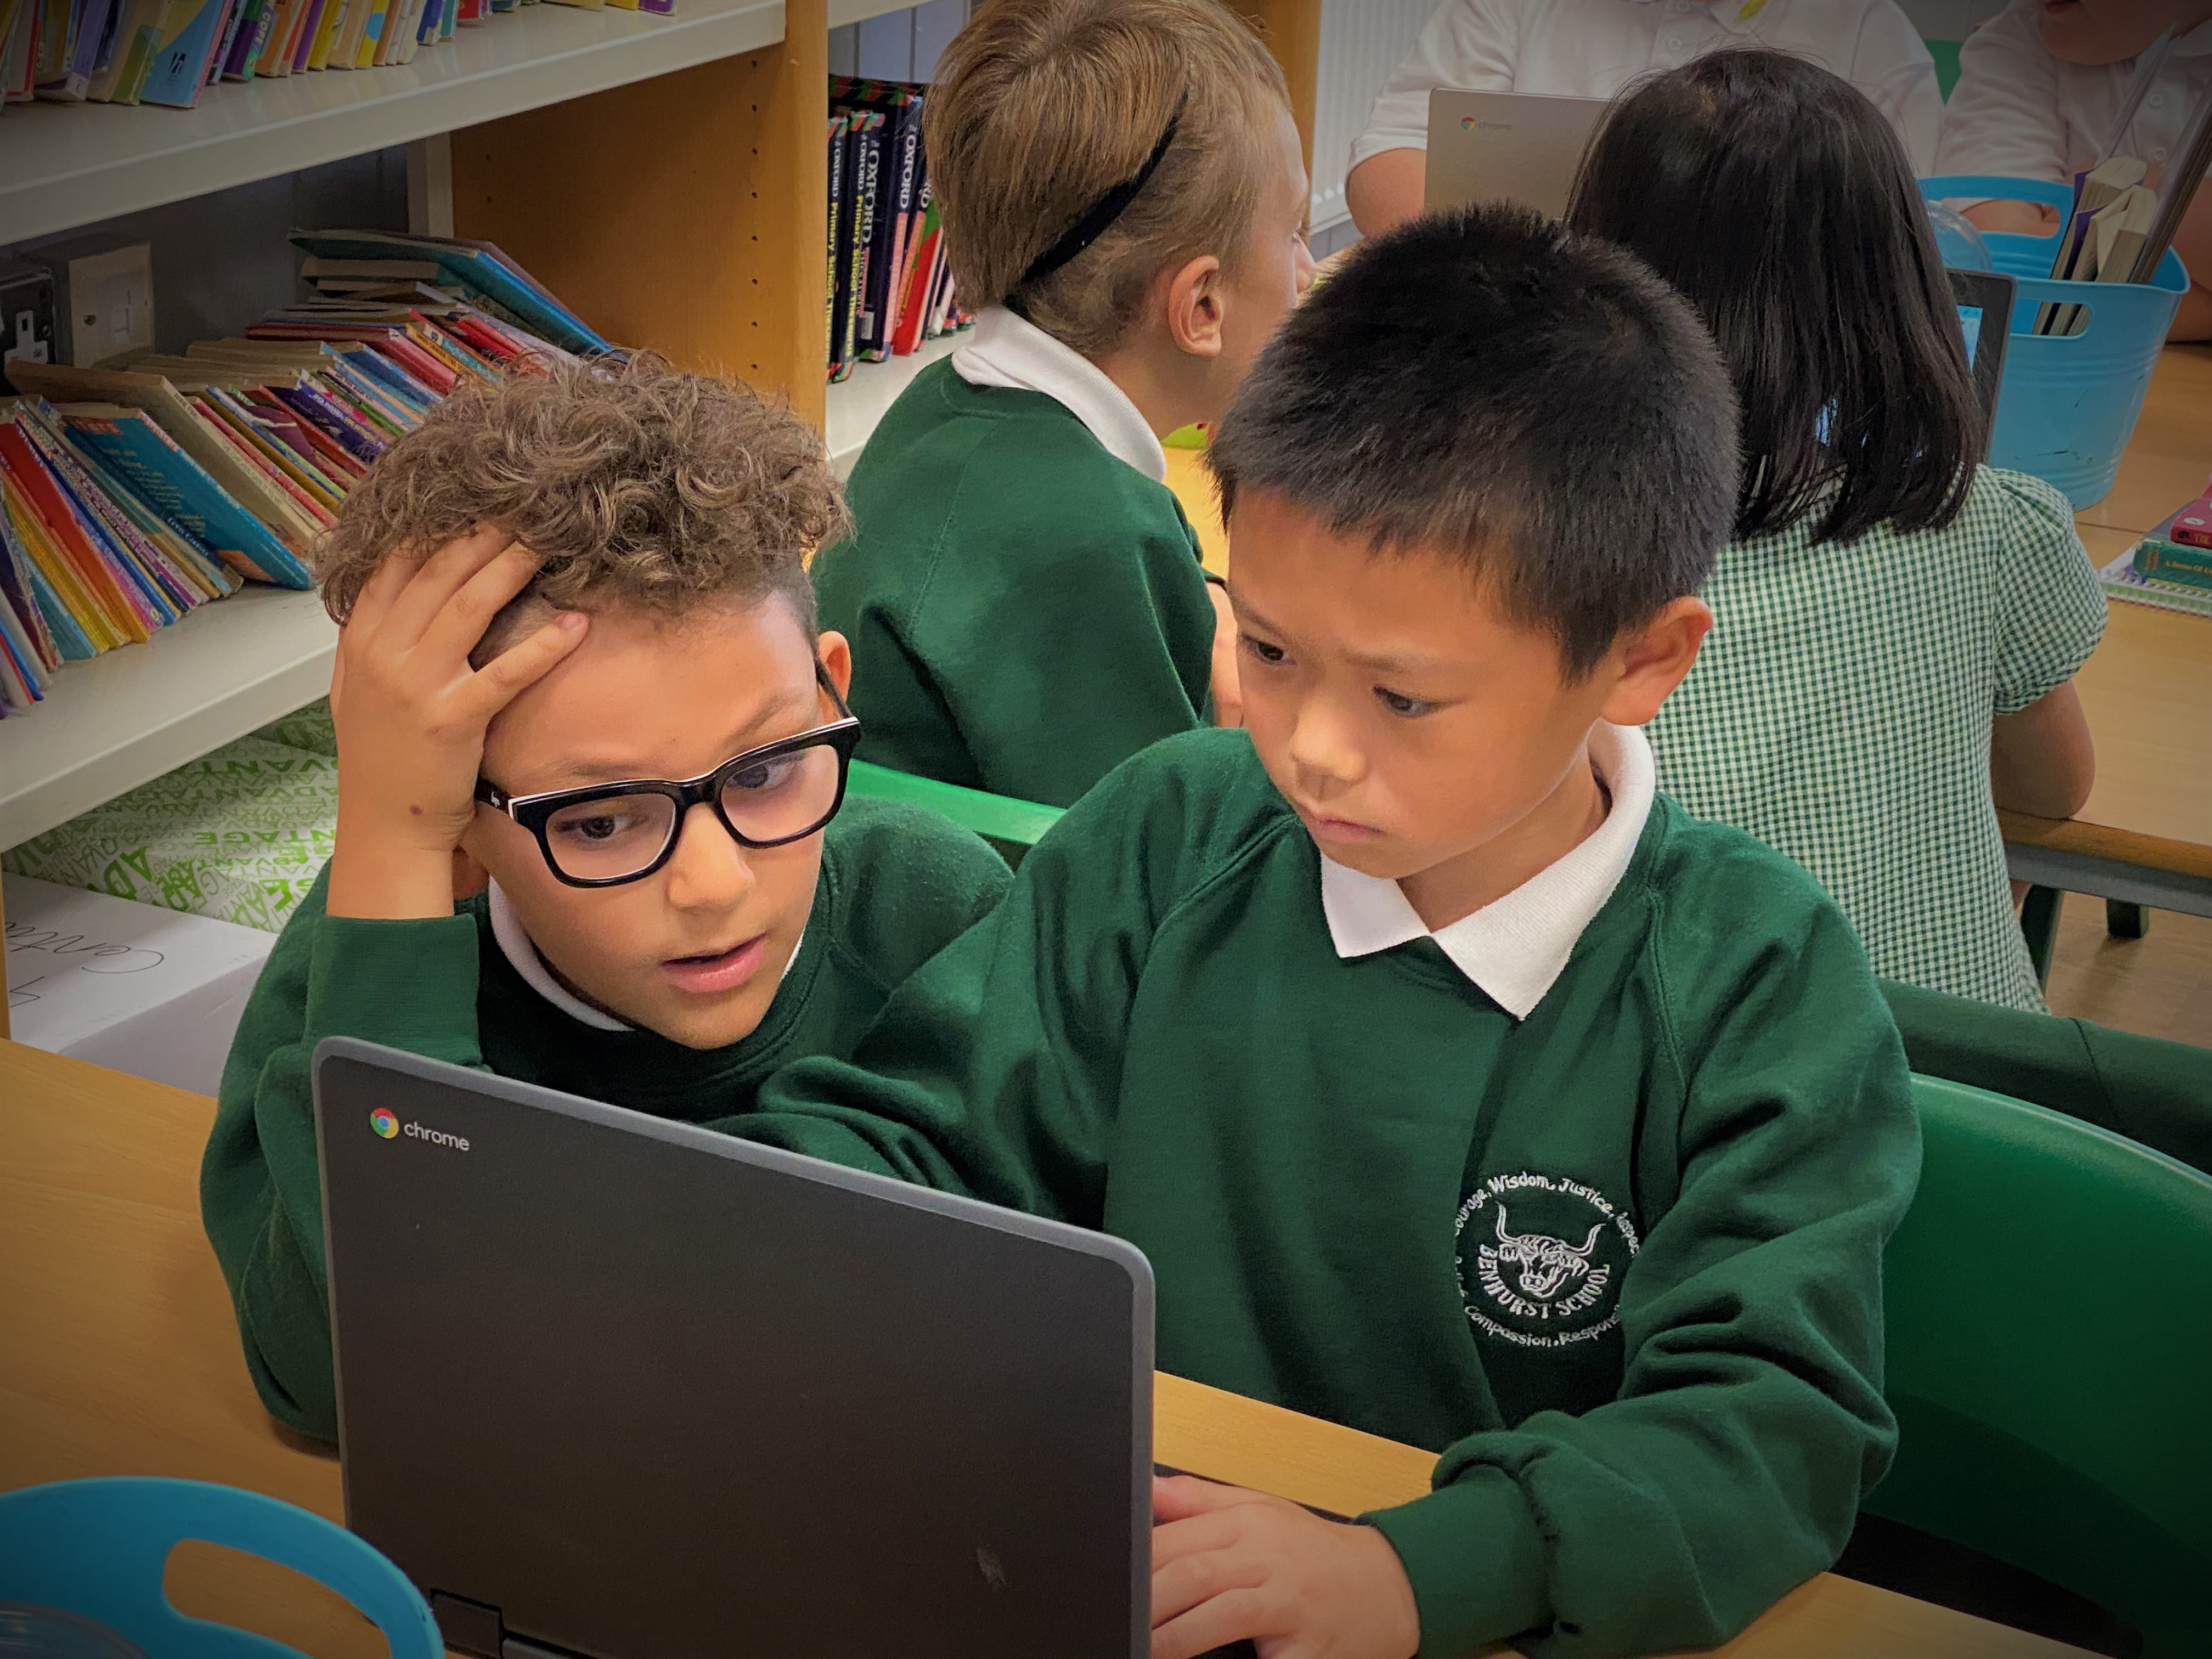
591,823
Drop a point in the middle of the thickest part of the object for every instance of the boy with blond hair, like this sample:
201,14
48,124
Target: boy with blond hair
1458,1086
592,755
1124,203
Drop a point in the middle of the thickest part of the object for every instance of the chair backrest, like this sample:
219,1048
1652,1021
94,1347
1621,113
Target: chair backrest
2154,1092
2049,1312
100,1548
1013,826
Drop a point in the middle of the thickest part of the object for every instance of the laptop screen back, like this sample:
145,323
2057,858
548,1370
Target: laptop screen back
1506,146
645,1390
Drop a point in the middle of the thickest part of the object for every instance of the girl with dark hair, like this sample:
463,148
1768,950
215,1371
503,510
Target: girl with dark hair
1897,625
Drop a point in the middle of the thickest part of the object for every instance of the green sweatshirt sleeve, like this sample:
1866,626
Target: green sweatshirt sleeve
1750,1420
994,1070
410,984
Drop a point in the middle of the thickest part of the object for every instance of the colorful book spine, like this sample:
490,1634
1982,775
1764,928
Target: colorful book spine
178,70
254,18
2158,560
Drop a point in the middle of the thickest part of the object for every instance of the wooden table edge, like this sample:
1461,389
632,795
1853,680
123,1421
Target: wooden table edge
2087,839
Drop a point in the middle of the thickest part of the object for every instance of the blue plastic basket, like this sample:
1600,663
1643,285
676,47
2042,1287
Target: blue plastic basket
2069,401
82,1564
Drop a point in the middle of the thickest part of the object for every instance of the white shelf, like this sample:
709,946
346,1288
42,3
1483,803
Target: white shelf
130,714
855,405
842,12
63,165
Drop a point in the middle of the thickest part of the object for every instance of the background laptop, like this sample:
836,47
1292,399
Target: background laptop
1985,303
1522,147
1507,146
613,1386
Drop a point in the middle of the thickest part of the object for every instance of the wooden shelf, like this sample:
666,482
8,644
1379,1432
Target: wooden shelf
130,714
664,176
856,404
71,164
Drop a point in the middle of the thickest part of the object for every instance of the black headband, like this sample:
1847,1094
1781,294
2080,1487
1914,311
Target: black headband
1104,211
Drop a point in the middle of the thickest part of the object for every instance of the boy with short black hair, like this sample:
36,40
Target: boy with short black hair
1458,1087
1124,202
592,758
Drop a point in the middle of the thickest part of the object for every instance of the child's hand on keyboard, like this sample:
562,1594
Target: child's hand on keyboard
1229,1564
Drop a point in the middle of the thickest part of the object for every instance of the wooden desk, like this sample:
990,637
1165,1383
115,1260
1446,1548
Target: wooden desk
2170,451
2145,834
120,1358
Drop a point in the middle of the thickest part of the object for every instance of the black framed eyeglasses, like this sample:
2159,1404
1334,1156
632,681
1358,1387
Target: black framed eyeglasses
605,834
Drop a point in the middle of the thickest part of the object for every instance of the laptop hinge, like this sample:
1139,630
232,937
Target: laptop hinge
470,1626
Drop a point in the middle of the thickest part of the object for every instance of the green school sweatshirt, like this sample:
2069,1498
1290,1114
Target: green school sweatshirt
897,884
1619,1264
1026,609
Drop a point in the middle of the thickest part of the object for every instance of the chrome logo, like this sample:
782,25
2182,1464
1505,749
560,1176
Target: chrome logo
384,1123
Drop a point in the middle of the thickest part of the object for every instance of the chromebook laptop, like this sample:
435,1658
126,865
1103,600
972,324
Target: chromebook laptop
1506,146
621,1388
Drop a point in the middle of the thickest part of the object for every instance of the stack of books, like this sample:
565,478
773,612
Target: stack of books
890,288
2122,220
130,495
167,52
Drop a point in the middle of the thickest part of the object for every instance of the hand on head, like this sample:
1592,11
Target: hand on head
1231,1565
410,715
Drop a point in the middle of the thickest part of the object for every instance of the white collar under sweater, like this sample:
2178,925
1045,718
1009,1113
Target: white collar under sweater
1010,351
1516,947
521,954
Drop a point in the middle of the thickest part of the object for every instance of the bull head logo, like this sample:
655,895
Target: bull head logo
1546,1264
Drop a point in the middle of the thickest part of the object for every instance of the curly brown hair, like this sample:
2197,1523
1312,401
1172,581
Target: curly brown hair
636,484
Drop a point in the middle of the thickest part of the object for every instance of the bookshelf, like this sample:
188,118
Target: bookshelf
72,164
842,12
665,176
130,714
856,404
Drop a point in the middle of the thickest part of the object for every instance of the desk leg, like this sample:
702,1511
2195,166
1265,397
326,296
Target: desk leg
2038,921
2125,921
4,963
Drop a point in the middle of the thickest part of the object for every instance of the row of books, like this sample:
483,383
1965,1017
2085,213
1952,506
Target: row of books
167,52
2120,225
890,288
129,495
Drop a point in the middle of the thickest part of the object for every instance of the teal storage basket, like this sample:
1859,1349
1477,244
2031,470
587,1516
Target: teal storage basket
82,1564
2069,401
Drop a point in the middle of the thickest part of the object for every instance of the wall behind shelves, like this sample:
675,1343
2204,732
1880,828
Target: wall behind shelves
899,45
221,261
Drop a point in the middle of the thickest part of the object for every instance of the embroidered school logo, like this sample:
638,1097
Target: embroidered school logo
1553,1277
384,1123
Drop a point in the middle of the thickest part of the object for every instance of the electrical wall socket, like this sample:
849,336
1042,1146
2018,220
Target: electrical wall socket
103,297
26,315
110,304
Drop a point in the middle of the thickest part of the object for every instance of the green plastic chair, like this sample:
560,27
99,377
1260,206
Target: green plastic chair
1011,826
2049,1308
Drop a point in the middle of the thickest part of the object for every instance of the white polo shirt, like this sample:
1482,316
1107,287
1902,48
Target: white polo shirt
1593,48
2019,113
1516,947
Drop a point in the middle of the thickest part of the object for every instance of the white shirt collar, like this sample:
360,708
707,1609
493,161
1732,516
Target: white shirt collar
522,956
521,953
1010,351
1516,947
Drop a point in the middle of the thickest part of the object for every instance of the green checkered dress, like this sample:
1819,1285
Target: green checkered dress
1840,712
